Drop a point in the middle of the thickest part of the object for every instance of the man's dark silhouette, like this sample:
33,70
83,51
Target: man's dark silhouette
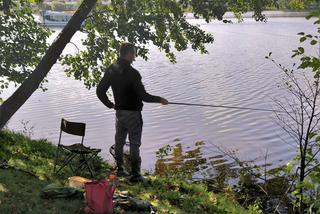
129,93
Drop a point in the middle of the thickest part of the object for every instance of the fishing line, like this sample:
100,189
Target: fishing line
223,106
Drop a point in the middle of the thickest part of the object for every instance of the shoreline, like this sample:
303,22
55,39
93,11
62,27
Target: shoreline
268,14
227,15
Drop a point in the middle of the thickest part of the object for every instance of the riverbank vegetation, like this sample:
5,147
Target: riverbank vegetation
300,119
27,166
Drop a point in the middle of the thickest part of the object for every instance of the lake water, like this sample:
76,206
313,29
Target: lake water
235,73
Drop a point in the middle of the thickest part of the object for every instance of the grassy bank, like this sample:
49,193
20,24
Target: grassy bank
27,167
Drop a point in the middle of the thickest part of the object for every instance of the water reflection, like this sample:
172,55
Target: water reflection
216,169
249,182
174,158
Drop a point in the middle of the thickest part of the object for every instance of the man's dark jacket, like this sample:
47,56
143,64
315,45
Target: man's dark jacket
128,90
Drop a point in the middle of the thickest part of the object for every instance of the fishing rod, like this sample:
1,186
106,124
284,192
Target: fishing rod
223,106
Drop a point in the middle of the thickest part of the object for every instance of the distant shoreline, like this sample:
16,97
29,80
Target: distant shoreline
227,15
269,14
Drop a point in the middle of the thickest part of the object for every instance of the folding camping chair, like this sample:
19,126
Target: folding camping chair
74,150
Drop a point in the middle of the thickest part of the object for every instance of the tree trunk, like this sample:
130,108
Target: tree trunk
301,179
30,85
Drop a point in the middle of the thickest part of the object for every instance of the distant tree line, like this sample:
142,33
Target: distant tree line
61,5
297,4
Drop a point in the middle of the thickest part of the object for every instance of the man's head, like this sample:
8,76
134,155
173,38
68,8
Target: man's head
128,52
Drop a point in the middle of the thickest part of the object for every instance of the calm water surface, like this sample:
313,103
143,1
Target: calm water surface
234,73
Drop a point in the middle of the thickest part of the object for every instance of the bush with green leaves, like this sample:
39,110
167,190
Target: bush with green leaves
23,43
308,189
301,117
297,4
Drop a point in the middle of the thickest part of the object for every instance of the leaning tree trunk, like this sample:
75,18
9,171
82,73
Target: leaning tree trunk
30,85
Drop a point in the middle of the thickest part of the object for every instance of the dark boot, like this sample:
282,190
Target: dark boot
138,179
136,172
121,172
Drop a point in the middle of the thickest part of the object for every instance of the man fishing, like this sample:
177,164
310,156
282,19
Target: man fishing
129,92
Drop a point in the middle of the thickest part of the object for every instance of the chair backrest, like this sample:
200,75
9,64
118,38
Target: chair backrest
73,128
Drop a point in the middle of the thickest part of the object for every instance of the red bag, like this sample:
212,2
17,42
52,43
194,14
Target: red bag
99,195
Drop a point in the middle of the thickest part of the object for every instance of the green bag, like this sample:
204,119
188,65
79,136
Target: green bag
57,191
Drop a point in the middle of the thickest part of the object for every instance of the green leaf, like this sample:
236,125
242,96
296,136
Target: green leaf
301,50
289,167
309,16
295,53
313,42
302,39
301,33
312,134
304,65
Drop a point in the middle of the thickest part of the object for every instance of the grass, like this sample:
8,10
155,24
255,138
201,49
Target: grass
173,195
31,169
20,193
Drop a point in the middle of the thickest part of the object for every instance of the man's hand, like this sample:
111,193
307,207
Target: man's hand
163,101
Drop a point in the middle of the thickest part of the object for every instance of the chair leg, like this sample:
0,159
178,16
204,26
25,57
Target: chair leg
56,160
85,164
66,161
81,163
88,165
86,161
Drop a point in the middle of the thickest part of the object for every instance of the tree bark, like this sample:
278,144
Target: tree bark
31,84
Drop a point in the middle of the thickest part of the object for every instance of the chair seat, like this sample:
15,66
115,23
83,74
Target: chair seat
80,149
